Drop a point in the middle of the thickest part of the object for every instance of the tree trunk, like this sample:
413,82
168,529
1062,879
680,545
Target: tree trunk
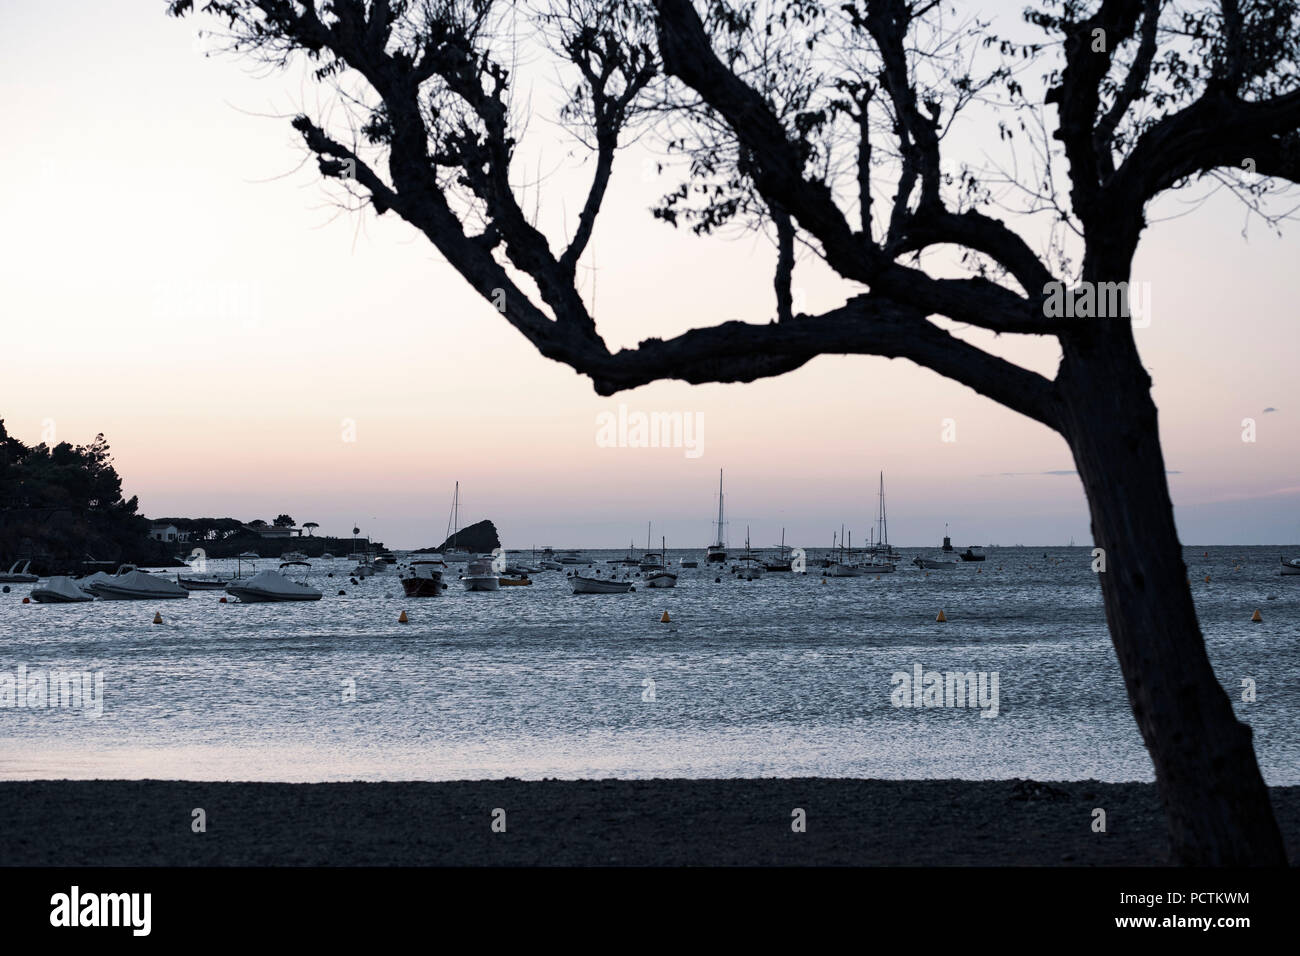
1209,781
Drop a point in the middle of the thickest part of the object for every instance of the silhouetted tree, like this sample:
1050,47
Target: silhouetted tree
823,124
310,526
283,521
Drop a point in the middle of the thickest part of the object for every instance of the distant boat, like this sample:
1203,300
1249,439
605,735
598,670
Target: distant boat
842,566
935,564
138,586
451,550
973,554
880,550
571,557
751,569
423,578
585,585
202,582
271,586
327,556
782,563
660,576
14,576
689,563
509,581
650,561
1291,567
716,553
293,556
250,556
479,576
59,590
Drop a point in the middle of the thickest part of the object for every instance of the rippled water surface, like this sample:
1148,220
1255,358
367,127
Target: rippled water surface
784,676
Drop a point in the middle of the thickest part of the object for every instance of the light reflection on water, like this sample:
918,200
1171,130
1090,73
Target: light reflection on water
785,676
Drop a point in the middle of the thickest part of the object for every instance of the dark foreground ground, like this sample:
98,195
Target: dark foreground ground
604,822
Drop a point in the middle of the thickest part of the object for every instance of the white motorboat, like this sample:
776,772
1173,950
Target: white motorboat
138,586
59,589
974,553
268,586
479,576
689,563
15,576
935,564
585,585
571,557
716,553
293,556
1291,567
327,556
551,565
250,556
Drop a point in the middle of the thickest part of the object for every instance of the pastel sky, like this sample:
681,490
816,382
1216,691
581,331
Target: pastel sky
175,276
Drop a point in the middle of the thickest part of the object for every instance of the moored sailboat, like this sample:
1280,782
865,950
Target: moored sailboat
716,553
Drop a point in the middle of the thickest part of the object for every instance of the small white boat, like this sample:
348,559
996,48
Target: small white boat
327,556
268,586
839,569
689,563
88,583
250,556
751,568
551,565
586,585
138,586
290,556
59,590
571,557
1291,567
479,576
15,576
935,564
660,576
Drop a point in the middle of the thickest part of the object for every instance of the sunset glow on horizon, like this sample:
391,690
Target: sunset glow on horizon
179,280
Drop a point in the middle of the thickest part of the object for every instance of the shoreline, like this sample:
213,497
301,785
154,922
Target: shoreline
663,822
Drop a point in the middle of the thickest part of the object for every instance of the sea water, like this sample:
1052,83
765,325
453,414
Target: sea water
789,675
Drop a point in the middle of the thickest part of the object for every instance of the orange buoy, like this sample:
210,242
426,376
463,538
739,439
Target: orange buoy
942,618
1257,618
402,618
27,600
665,619
222,601
1207,579
157,617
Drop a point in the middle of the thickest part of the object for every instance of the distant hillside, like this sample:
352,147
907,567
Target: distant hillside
480,537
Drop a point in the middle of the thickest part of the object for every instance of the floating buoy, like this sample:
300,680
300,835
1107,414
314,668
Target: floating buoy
402,618
1257,618
223,601
1207,579
157,617
979,570
341,591
6,589
1206,554
665,619
27,600
942,618
823,580
717,580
